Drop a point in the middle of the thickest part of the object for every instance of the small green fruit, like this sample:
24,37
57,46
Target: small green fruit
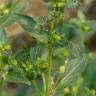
57,37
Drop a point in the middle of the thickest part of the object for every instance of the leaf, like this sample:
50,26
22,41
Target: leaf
81,15
66,30
11,17
92,25
73,70
8,20
71,3
18,5
76,49
89,74
3,36
22,91
17,75
39,37
92,29
27,23
35,53
23,55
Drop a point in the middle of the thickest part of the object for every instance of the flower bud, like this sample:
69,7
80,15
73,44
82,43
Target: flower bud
7,47
56,37
4,75
66,90
87,28
14,62
62,69
6,11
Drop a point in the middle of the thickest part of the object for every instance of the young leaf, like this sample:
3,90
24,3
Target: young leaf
35,53
39,37
16,7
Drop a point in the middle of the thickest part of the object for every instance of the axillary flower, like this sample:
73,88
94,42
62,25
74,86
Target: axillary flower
4,9
4,47
58,4
62,69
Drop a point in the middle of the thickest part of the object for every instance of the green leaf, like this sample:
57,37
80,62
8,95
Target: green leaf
23,55
71,3
22,91
76,49
73,70
15,8
35,53
92,25
39,37
89,74
8,19
17,75
3,36
27,23
66,30
18,5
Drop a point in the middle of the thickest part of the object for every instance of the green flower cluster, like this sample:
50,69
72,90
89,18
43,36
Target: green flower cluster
4,47
4,9
7,61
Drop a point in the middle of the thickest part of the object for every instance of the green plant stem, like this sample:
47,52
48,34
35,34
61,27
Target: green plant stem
44,82
48,79
1,87
1,79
